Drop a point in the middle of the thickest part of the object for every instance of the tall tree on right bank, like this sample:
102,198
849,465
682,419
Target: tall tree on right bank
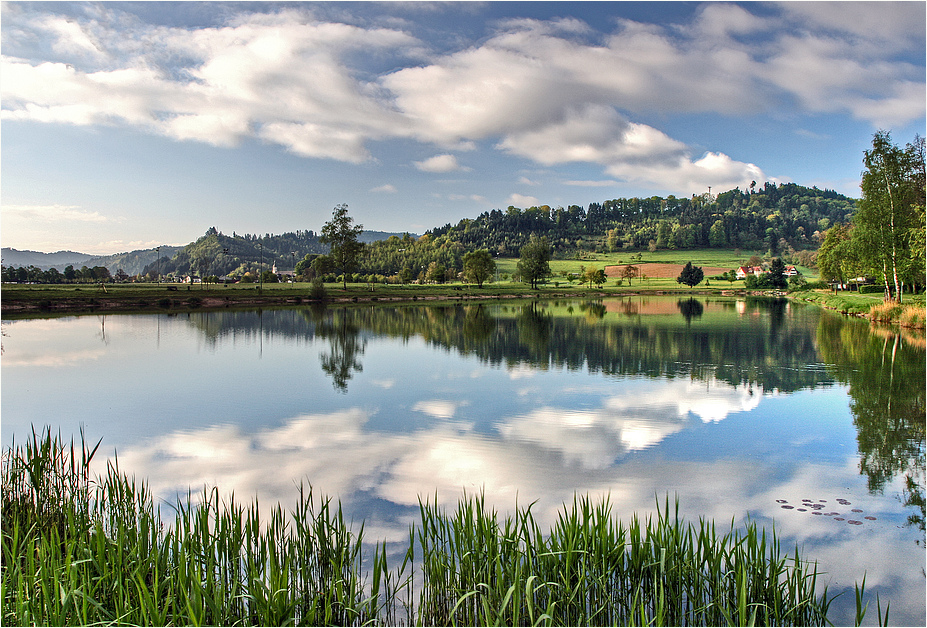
893,191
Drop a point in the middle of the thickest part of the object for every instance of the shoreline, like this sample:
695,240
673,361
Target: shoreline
26,301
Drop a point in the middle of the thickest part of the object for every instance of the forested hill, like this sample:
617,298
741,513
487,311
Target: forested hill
216,253
767,218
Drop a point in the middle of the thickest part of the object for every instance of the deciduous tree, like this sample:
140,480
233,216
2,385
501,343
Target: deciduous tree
629,272
716,236
478,266
837,259
691,275
893,187
341,234
534,264
435,272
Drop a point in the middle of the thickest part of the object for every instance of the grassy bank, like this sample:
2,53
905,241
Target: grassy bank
79,550
911,313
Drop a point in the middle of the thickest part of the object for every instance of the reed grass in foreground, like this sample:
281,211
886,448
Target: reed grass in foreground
78,550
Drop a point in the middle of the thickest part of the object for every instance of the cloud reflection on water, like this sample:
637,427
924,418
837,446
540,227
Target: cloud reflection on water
547,453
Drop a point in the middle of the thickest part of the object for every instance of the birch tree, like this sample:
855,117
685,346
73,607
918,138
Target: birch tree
892,187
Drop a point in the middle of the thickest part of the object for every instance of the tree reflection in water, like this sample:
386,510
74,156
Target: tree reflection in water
690,308
885,371
342,359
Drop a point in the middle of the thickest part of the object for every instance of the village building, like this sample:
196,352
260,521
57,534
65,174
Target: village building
743,271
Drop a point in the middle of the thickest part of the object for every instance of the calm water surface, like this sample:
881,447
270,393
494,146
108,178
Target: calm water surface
744,409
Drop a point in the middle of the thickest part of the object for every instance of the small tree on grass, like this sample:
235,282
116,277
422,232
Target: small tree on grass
534,264
478,266
629,272
690,275
593,275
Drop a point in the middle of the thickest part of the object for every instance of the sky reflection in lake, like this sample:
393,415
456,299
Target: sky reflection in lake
729,405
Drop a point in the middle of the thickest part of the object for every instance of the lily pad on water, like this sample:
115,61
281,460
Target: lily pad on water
816,507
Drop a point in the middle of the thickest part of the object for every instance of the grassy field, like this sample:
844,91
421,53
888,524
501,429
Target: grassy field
727,259
82,550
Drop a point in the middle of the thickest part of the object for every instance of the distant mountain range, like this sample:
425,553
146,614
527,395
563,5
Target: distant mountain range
132,262
14,257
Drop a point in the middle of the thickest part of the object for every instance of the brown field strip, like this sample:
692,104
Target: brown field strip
660,271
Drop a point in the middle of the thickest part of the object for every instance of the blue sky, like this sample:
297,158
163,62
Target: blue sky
128,125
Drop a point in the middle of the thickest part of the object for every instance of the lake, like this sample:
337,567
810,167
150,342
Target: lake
746,409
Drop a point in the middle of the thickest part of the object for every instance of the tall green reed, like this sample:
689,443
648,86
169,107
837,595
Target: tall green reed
592,570
79,550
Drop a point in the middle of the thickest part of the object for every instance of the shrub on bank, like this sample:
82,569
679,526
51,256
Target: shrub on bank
885,312
317,290
807,286
902,314
913,316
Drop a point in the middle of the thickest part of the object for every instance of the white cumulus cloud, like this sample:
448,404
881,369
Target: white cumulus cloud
554,92
521,200
440,163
